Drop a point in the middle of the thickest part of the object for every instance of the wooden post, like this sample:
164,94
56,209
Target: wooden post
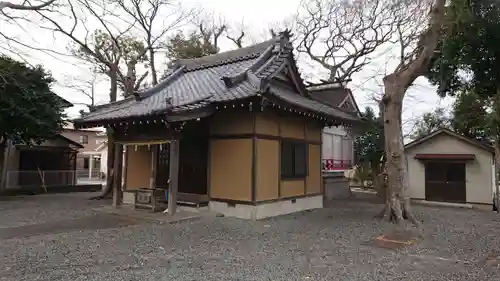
5,164
125,167
117,175
174,177
154,162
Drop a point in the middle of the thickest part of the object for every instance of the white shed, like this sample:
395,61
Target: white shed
447,167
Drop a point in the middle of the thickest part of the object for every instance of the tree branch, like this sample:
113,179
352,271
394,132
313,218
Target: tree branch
341,35
211,31
21,7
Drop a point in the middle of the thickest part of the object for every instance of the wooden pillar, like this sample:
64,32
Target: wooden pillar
5,164
154,162
125,167
91,165
174,176
74,167
117,175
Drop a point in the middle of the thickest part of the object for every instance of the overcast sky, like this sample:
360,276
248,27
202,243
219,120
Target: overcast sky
257,15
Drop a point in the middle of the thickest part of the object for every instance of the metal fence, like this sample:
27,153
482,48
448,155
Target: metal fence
16,179
87,174
336,164
40,178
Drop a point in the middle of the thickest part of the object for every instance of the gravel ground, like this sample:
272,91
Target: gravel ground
28,210
326,244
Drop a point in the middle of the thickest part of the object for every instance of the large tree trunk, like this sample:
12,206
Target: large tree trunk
130,79
108,188
154,75
395,85
113,93
378,180
497,148
398,200
3,162
117,175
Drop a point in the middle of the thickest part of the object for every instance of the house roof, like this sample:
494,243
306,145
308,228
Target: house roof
334,94
452,134
61,137
69,126
72,142
64,103
101,146
229,76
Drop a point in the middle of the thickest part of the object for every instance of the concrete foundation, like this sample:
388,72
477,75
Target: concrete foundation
266,210
336,186
128,197
484,207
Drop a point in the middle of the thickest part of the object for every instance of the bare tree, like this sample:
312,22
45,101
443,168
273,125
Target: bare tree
103,48
15,18
85,87
237,33
211,29
341,35
100,47
26,6
111,46
417,48
155,19
373,86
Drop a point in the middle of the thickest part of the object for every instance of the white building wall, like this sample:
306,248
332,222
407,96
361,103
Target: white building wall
479,185
104,160
337,144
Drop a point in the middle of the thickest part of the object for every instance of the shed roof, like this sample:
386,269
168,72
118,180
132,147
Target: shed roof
235,75
453,135
70,141
58,136
333,94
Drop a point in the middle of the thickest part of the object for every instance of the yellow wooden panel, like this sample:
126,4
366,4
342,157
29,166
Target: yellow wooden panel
138,167
292,127
268,170
231,169
232,123
313,131
313,179
267,123
291,188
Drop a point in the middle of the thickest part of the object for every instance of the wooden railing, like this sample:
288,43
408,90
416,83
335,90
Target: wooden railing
336,164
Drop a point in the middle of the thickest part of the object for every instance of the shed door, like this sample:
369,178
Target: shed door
445,181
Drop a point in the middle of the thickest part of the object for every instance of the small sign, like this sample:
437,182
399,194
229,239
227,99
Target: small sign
143,198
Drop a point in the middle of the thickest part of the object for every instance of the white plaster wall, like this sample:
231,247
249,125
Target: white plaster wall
478,172
333,147
104,160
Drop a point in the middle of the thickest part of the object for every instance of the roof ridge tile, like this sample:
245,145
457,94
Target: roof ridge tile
232,80
222,62
169,79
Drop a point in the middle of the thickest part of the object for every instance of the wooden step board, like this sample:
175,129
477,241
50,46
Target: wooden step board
154,199
190,199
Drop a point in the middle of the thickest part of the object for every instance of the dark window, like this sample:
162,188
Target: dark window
293,160
97,163
86,163
84,139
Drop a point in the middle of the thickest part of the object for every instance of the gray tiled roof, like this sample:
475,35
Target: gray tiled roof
246,53
332,96
291,97
191,86
194,83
